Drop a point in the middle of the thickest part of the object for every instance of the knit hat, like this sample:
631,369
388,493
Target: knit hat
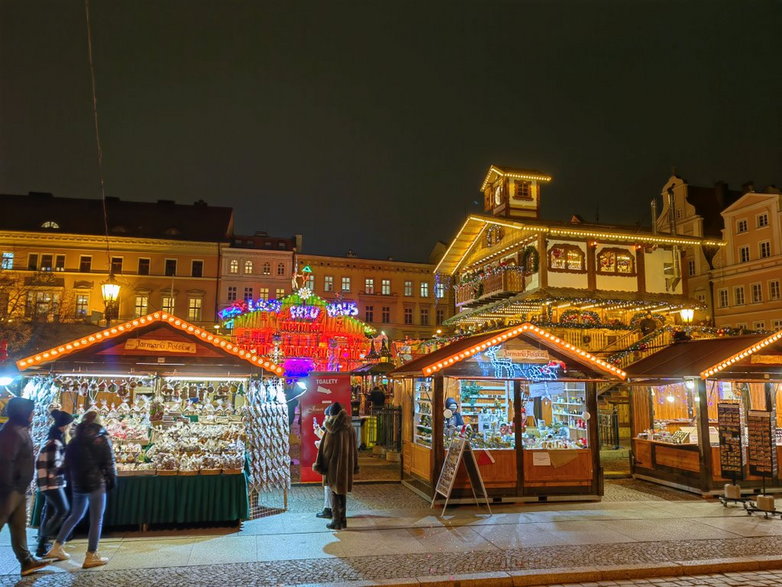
19,409
61,418
451,402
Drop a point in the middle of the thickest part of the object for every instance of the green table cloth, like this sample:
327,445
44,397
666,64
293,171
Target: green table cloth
175,499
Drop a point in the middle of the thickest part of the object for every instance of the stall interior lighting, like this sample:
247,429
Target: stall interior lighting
109,333
182,378
512,333
741,355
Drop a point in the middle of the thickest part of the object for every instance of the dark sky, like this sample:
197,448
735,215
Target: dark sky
370,124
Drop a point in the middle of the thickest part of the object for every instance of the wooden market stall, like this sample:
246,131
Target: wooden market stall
529,400
183,407
694,406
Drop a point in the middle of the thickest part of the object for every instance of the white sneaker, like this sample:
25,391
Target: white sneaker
93,559
56,552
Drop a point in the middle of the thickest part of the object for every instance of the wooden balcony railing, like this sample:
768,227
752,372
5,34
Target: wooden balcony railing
503,283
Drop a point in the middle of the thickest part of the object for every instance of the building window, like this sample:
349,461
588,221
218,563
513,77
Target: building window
194,306
615,261
439,316
42,305
82,305
231,293
408,289
743,254
757,293
346,284
566,258
279,293
32,261
765,249
691,267
198,269
386,315
762,220
169,304
170,267
328,283
233,266
143,266
248,293
59,263
439,290
776,325
738,295
723,298
280,268
424,289
424,317
116,265
141,306
46,262
369,285
408,315
741,226
369,314
248,267
8,260
50,224
773,289
385,287
309,282
267,268
523,190
263,293
701,298
760,325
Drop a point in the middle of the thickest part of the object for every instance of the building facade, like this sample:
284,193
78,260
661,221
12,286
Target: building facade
402,299
56,254
739,284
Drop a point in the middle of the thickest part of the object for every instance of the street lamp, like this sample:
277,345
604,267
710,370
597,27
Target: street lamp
687,315
110,292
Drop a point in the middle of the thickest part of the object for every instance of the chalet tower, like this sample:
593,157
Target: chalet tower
513,193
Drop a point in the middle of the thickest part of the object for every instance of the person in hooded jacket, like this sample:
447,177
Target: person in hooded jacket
50,477
89,464
338,461
16,474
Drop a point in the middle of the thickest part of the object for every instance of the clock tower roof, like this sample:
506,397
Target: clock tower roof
496,171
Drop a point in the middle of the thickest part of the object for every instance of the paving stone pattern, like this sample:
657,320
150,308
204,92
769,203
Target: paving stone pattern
368,568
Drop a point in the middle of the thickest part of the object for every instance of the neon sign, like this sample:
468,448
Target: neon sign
505,368
342,309
304,312
250,306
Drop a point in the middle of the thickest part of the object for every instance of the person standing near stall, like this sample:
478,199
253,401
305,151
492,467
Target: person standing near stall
338,461
50,477
89,463
16,474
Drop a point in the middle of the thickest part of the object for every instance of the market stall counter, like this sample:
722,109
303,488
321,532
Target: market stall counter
704,413
527,402
198,426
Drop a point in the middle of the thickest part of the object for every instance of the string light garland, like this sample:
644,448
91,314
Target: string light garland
741,355
516,174
109,333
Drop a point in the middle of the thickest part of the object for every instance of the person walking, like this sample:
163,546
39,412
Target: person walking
337,461
16,474
89,464
50,477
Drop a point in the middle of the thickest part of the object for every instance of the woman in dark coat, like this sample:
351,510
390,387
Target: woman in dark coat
338,461
89,464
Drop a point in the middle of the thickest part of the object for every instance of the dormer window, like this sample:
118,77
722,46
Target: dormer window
566,258
616,261
523,190
50,224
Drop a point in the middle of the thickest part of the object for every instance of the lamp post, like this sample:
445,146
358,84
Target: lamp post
110,292
687,315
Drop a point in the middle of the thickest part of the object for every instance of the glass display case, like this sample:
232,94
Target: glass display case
487,408
422,397
560,420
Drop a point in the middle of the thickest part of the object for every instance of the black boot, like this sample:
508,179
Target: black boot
336,504
43,547
326,513
343,510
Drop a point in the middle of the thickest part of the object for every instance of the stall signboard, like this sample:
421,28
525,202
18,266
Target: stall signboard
761,450
323,389
731,455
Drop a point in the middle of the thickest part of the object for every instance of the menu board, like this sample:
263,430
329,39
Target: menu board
450,465
731,455
762,450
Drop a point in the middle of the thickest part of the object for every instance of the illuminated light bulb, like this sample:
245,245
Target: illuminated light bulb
54,352
99,335
22,363
670,399
114,331
223,343
190,329
120,328
135,323
68,346
61,349
46,355
77,343
91,339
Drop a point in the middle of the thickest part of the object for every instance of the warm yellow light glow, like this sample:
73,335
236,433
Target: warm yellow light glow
687,315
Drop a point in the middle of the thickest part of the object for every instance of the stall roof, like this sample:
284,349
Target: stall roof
373,369
467,347
200,346
702,358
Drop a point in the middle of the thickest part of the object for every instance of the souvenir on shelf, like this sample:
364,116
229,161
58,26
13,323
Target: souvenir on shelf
266,422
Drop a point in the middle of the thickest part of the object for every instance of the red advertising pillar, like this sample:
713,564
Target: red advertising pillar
323,389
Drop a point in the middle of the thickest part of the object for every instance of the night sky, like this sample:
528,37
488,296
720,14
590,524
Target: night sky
370,125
